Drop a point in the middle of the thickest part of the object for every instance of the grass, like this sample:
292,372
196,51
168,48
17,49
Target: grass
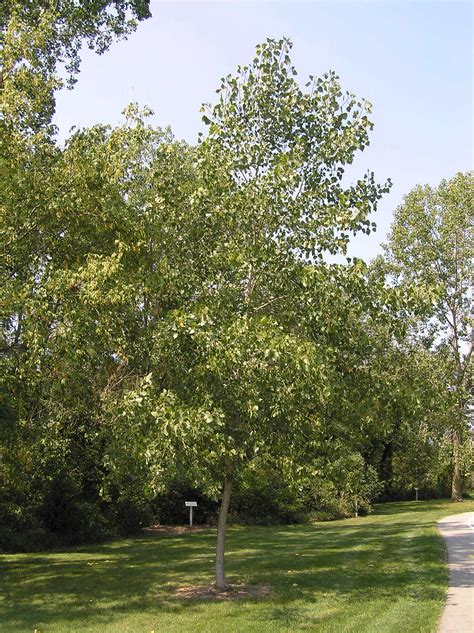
375,574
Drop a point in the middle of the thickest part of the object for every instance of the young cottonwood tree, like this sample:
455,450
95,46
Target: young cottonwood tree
431,245
272,200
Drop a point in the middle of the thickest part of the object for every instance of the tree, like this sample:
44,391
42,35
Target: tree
39,41
81,307
417,409
270,201
38,37
430,245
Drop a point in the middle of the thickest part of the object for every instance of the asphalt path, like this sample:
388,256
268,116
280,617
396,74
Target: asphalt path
458,533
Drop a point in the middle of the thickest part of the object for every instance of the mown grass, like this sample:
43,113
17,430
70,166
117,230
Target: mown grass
375,574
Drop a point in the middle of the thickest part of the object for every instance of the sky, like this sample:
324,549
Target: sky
411,60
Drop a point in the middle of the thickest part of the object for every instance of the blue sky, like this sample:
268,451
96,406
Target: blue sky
412,60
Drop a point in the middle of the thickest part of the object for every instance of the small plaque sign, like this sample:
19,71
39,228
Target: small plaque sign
191,505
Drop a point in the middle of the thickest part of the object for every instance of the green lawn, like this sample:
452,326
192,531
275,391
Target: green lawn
374,574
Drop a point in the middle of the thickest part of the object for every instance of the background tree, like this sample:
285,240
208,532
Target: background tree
80,309
40,38
47,234
430,245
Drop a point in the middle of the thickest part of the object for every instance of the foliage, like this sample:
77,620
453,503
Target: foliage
170,324
37,38
430,246
265,495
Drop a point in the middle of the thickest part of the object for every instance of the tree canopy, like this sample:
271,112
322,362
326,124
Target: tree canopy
431,245
171,321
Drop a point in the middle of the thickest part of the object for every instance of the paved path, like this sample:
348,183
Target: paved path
458,614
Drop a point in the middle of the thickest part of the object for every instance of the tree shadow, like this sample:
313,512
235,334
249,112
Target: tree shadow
383,559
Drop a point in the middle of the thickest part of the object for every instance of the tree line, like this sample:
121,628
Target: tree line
171,323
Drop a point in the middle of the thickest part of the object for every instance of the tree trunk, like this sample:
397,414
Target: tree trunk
456,486
221,583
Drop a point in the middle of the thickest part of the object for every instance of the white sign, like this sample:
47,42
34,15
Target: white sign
191,505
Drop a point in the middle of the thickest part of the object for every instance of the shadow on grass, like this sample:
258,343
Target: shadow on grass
386,556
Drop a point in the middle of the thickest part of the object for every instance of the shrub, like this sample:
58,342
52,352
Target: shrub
71,518
170,506
131,515
263,497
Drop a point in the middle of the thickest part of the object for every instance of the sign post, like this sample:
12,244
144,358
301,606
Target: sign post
191,505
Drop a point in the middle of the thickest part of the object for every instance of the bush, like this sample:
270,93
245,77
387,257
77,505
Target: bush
170,506
72,519
263,497
29,540
131,515
60,511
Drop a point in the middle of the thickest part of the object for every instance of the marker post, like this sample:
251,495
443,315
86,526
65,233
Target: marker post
191,505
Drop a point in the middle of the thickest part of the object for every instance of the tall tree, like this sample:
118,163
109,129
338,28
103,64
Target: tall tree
271,202
38,37
48,226
431,245
81,308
